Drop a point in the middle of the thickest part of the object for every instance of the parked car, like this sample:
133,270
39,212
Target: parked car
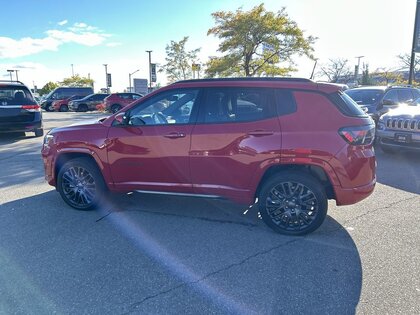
19,112
377,100
399,129
87,103
64,92
244,139
116,101
63,105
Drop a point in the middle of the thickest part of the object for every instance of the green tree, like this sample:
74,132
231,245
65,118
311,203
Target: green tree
47,88
179,61
256,42
366,78
77,80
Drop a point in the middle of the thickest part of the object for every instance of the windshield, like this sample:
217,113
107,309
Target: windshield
365,97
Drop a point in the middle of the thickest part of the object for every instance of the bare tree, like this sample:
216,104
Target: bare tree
405,61
337,70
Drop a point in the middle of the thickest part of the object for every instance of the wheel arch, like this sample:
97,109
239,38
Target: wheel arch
315,171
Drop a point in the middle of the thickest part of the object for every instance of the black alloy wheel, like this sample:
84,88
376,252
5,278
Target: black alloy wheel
293,203
81,184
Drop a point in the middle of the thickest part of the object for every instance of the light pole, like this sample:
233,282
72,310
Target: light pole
72,71
17,78
106,77
10,72
356,73
150,68
129,79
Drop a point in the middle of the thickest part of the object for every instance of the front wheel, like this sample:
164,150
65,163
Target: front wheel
293,203
64,108
80,184
39,132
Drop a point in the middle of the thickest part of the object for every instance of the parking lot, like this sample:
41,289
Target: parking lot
148,254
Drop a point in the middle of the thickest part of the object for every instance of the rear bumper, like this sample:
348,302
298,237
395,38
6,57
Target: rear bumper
20,126
349,196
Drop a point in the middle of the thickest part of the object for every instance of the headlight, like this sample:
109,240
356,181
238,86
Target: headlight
47,139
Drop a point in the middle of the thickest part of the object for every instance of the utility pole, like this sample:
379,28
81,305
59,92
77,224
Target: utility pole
415,43
150,69
106,77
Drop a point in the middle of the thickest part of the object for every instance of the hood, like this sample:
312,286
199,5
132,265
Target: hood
83,124
404,111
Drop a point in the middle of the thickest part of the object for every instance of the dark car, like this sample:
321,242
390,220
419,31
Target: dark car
114,102
19,112
377,100
245,139
64,92
63,105
87,103
399,129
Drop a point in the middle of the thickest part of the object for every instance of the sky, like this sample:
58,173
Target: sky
50,40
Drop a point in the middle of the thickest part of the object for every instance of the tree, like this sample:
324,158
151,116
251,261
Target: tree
77,80
47,88
366,78
337,70
386,76
179,61
405,62
256,42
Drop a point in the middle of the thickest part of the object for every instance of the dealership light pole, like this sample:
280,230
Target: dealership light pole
356,73
106,77
129,79
10,72
72,71
150,68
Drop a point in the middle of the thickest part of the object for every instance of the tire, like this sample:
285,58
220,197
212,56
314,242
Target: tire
39,132
83,108
64,108
48,108
81,184
293,203
115,108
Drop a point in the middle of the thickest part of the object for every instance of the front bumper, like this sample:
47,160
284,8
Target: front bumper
399,139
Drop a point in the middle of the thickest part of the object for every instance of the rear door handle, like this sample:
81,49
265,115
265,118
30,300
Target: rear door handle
260,133
175,135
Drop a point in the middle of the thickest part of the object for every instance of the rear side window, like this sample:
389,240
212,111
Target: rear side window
346,105
238,104
15,95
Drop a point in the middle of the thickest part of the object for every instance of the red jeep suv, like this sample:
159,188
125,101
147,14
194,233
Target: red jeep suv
287,144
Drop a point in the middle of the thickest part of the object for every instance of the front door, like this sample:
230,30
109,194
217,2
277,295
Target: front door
150,151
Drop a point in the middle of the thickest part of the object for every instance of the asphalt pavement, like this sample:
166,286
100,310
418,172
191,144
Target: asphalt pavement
148,254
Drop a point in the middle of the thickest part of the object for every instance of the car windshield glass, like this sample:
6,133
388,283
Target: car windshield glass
15,95
365,97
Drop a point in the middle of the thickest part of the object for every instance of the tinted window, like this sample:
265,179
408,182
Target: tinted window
169,107
392,96
238,104
285,102
365,97
15,95
405,95
347,105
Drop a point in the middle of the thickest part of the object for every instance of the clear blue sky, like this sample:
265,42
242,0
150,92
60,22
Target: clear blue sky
44,38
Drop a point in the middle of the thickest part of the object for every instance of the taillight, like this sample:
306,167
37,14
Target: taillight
358,135
31,108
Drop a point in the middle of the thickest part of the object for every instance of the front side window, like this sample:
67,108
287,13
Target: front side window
391,96
238,104
170,107
405,95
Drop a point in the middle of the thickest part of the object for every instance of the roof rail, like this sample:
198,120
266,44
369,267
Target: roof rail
400,85
11,81
282,79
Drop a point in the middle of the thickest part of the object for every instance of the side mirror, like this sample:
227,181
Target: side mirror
388,102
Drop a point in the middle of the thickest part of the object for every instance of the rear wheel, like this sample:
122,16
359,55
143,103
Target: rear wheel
39,132
64,108
80,184
293,203
115,108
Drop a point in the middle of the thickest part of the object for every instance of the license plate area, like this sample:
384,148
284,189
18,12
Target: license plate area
402,137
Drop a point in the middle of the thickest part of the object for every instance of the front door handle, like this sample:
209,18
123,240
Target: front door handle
260,133
175,135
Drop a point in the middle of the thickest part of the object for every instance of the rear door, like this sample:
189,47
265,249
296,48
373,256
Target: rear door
237,132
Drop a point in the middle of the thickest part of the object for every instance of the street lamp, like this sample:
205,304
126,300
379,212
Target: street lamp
10,72
356,73
72,71
129,79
